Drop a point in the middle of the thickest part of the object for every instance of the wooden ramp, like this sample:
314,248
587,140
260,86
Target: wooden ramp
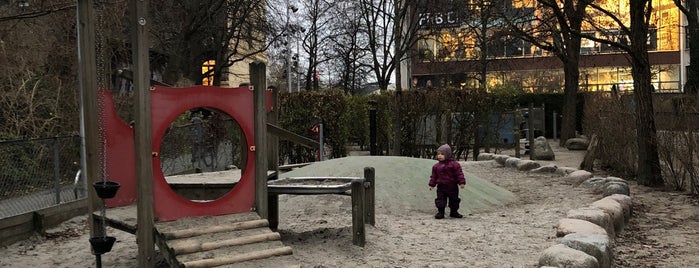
235,240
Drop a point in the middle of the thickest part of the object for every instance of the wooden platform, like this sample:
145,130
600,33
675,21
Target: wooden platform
235,240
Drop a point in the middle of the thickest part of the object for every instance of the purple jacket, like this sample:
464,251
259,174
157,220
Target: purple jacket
447,172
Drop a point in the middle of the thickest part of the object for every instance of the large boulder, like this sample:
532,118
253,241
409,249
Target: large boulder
579,176
569,226
593,215
541,150
614,209
501,158
577,144
560,255
485,156
626,204
612,187
527,165
598,246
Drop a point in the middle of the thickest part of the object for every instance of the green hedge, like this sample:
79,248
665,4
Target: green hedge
429,118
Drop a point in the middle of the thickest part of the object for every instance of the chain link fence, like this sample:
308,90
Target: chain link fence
208,144
38,173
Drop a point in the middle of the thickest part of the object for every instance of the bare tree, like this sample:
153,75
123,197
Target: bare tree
391,27
318,40
640,12
553,27
349,48
690,8
193,32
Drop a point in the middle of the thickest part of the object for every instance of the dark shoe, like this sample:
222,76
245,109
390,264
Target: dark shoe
456,215
439,215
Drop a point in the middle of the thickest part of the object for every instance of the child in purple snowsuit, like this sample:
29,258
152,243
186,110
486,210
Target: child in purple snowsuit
447,176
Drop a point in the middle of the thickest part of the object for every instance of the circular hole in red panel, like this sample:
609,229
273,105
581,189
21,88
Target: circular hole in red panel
202,154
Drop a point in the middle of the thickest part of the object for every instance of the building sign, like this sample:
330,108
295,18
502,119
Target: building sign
448,19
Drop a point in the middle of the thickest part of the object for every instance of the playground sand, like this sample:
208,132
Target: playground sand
504,233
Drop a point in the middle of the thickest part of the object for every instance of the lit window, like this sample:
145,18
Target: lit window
207,71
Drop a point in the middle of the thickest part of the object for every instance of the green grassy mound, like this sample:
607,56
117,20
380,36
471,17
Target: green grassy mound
401,183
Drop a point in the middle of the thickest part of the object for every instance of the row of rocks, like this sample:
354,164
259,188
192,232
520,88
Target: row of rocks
587,232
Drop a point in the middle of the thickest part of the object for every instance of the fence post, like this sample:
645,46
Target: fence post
358,235
369,196
555,135
56,171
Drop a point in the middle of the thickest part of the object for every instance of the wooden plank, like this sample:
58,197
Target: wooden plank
196,246
260,254
18,231
177,234
16,220
121,218
53,216
589,158
292,137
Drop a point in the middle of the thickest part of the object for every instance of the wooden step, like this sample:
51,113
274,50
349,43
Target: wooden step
238,258
222,241
177,234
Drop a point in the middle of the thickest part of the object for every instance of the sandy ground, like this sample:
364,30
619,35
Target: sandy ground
662,233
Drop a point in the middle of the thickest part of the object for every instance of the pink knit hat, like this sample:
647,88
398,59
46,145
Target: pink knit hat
445,150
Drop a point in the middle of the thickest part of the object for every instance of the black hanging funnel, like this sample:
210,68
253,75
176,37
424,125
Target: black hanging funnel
106,189
102,244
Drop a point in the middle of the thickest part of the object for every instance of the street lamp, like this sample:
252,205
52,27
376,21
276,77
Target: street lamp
293,9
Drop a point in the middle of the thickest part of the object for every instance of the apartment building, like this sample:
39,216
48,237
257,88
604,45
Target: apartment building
448,55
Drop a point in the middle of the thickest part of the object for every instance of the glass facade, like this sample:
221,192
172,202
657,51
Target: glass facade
456,45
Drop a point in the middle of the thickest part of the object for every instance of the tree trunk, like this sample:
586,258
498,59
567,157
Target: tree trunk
648,170
692,84
570,92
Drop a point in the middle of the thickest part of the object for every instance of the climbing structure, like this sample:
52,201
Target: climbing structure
189,233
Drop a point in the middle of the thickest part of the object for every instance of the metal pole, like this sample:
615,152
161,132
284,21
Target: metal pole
372,127
288,50
298,60
555,135
320,142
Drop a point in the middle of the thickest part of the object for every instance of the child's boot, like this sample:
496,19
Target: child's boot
455,214
440,213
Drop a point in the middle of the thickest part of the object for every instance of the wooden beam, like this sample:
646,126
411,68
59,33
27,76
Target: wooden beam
196,246
292,137
215,229
89,128
358,231
370,195
142,132
258,79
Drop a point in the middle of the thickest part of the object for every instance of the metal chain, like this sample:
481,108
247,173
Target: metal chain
100,54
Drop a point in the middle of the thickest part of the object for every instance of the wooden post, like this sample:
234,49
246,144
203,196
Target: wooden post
142,132
518,130
89,128
358,235
530,128
258,72
369,196
273,212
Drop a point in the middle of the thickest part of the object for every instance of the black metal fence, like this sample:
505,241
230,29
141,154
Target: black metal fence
38,173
